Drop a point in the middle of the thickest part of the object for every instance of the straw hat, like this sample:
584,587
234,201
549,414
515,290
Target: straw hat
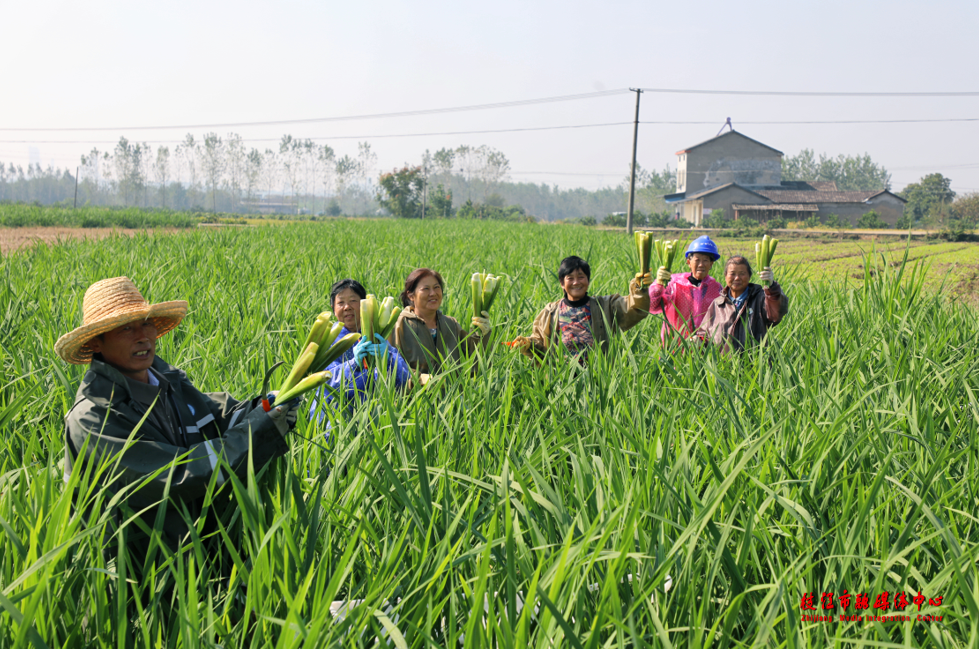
112,303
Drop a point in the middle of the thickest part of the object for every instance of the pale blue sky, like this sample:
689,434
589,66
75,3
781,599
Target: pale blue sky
108,63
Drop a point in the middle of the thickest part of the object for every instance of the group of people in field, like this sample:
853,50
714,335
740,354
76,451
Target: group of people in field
167,439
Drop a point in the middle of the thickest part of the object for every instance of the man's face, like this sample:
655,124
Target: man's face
130,348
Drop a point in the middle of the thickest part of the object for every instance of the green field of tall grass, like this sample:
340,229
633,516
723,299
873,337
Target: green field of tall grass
652,499
22,216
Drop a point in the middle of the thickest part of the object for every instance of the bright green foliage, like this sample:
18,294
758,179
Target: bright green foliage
20,216
839,455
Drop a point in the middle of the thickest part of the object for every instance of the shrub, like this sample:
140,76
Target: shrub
776,223
834,221
871,221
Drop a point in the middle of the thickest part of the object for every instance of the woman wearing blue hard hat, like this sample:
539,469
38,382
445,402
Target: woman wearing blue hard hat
683,298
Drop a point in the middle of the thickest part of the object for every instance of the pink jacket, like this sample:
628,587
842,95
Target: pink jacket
683,303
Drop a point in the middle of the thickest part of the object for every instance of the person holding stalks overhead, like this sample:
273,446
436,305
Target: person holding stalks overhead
349,374
580,321
158,435
425,336
683,298
743,308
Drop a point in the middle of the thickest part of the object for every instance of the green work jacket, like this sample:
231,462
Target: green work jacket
183,434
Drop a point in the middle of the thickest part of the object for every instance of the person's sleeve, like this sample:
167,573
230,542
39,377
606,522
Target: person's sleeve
657,297
398,365
540,338
344,379
225,409
630,310
776,304
704,332
148,464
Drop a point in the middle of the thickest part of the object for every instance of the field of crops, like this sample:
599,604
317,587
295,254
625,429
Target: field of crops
20,216
660,500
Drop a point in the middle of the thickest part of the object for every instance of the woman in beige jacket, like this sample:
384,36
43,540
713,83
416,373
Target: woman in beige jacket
425,336
580,321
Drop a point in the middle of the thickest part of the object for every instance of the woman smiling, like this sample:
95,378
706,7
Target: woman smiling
743,308
580,321
424,335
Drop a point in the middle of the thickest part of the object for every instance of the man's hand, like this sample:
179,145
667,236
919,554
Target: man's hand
663,276
284,415
644,279
483,324
766,276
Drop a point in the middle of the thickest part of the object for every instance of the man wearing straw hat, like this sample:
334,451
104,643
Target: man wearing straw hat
145,419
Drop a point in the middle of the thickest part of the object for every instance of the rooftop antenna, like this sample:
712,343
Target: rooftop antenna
727,124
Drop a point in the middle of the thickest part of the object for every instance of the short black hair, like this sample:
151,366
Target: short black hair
570,265
343,284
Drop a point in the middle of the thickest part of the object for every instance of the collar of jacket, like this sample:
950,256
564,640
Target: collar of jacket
683,279
409,313
100,370
752,290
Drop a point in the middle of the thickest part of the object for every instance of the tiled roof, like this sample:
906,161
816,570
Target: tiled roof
729,134
816,196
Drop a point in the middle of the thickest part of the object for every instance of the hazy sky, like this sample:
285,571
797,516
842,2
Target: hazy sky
103,63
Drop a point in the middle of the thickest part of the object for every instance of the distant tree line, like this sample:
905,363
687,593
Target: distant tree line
850,173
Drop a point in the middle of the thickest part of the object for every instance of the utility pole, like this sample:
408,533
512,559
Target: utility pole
632,181
75,205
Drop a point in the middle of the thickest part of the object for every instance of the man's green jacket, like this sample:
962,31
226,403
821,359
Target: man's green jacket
178,433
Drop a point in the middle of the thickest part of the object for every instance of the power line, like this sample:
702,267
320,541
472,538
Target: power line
532,128
839,121
408,113
778,93
338,137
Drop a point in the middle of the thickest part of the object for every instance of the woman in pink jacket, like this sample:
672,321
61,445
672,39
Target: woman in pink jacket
684,297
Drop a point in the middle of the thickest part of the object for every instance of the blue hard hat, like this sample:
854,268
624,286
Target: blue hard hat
705,245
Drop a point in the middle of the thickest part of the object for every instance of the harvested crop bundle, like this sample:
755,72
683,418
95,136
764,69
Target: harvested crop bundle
484,289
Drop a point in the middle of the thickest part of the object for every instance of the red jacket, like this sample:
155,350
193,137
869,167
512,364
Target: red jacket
683,303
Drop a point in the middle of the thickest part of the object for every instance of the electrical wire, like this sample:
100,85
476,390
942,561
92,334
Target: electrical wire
780,93
312,120
342,137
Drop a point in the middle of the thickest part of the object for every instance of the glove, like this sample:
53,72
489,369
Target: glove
644,279
520,343
766,275
362,350
663,276
285,415
483,324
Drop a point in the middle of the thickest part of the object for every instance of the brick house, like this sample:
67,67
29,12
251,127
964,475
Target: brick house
743,177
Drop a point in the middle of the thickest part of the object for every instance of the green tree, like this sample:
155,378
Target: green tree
400,192
966,209
848,172
439,203
926,198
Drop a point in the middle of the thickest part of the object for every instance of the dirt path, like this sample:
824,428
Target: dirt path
16,238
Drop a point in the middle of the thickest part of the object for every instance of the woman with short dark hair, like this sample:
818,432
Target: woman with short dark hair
743,308
349,374
580,321
424,335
